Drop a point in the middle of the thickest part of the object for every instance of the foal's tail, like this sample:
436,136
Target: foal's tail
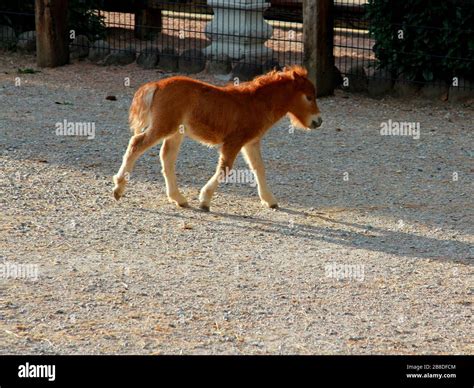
140,113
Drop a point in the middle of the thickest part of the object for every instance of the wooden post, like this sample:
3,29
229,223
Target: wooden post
147,19
318,36
52,43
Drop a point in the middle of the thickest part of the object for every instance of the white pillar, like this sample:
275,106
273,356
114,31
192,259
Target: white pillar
238,29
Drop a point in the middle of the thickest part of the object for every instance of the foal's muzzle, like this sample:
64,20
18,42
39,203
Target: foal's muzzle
316,123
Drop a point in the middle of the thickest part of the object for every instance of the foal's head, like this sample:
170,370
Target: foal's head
303,109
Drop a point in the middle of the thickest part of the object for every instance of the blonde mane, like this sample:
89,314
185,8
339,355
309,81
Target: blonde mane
275,76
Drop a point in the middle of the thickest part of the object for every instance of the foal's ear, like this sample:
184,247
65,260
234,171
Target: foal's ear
295,75
298,78
298,72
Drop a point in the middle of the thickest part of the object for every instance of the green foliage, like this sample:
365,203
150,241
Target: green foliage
437,41
82,16
18,15
28,70
24,6
84,20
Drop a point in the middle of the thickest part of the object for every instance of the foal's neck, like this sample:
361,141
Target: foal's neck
275,99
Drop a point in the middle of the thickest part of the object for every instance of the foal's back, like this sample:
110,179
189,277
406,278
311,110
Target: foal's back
208,113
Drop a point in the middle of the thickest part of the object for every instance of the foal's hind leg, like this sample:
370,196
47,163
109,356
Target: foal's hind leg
253,156
136,147
227,157
168,154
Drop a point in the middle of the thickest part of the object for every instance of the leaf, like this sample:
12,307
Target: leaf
428,75
438,39
28,71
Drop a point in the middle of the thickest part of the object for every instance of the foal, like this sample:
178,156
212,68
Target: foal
235,117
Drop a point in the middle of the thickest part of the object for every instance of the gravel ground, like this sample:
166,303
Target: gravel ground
141,276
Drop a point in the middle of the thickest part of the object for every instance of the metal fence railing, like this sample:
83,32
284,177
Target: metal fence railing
16,17
180,26
186,26
175,27
352,42
357,30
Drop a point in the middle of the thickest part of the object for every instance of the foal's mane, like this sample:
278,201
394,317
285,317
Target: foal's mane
275,77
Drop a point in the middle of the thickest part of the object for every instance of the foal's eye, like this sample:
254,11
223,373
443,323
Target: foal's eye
309,98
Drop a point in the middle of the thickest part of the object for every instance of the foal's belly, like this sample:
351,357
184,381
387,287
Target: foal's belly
203,133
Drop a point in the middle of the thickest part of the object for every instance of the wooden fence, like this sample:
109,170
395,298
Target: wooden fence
318,16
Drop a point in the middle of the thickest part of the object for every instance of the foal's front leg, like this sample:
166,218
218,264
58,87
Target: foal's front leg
253,156
168,154
227,157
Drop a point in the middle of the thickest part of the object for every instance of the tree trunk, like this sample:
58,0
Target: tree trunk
318,36
52,40
147,23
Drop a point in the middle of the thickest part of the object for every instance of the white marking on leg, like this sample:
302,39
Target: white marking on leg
253,156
